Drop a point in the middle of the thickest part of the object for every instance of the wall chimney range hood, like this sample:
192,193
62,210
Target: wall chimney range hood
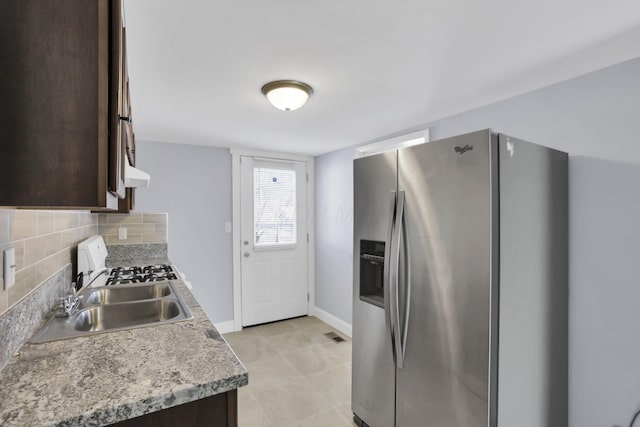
135,178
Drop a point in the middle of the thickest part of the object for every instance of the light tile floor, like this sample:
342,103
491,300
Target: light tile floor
297,376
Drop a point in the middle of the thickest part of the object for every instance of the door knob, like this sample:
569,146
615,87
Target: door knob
246,242
246,254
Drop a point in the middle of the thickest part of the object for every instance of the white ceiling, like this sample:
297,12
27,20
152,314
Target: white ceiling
377,67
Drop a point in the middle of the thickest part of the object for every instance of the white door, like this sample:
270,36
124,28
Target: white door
273,230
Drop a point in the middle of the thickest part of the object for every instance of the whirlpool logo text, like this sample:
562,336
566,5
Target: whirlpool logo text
461,149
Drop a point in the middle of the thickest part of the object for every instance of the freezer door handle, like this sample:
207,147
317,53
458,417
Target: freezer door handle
390,275
395,296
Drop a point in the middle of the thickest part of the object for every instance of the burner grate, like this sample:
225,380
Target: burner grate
132,275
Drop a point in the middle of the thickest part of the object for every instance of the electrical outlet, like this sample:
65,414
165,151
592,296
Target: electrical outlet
122,233
9,268
227,227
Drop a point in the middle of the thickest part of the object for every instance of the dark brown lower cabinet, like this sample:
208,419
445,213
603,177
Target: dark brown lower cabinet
220,410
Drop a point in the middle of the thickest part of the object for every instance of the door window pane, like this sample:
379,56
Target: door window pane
274,206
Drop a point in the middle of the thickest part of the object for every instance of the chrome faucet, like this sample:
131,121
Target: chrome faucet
67,305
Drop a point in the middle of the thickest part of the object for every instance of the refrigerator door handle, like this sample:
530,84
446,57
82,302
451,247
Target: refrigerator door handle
395,302
406,285
389,274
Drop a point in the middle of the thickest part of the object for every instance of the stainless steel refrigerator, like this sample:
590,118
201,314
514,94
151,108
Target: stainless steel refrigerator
461,285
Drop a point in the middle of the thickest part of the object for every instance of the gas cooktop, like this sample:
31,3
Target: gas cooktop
92,254
131,275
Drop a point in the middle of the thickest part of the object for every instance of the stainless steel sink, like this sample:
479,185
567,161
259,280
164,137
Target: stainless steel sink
108,309
111,295
121,316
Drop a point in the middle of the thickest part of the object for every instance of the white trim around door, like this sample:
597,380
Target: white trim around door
237,270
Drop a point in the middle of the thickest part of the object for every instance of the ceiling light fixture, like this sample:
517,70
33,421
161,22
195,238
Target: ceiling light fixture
287,95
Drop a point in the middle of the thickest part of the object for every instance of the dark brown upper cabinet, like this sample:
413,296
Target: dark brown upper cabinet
117,100
126,204
62,103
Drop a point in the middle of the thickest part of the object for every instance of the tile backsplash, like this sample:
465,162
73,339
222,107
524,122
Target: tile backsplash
141,228
44,242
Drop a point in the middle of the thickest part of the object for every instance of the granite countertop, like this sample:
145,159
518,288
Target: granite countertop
110,377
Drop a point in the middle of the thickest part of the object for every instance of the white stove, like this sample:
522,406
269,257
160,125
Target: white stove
92,254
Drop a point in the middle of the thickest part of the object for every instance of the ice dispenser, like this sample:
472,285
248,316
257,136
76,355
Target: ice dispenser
372,272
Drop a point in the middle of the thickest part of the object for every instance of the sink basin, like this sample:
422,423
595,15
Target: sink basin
118,308
110,295
119,316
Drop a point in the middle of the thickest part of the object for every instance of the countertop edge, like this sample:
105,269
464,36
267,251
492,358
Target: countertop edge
156,403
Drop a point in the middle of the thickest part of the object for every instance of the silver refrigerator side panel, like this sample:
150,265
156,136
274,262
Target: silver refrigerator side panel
445,380
533,338
373,370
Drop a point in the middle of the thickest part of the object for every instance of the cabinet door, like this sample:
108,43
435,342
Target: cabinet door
55,126
116,143
125,205
131,140
125,109
219,410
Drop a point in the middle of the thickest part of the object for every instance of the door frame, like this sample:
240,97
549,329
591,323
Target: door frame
236,153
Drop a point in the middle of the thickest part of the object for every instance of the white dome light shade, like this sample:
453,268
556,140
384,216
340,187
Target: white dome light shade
287,98
287,95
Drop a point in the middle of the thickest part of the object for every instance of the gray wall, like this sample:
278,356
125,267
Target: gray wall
595,118
334,232
193,185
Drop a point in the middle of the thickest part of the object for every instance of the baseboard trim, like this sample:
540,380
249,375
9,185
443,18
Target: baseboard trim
332,320
328,318
225,327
